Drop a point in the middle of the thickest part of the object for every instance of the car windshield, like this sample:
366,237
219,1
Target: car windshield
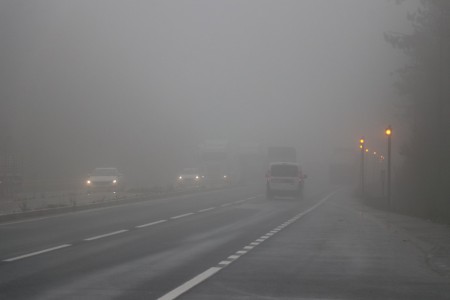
105,172
190,171
225,149
284,171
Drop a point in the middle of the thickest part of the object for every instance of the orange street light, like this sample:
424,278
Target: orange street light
362,145
388,131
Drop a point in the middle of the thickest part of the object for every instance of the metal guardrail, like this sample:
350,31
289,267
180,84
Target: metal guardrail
68,204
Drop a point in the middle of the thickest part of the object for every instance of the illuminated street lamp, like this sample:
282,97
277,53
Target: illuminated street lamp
362,143
388,133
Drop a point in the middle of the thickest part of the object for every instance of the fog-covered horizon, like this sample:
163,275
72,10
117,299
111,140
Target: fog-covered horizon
139,84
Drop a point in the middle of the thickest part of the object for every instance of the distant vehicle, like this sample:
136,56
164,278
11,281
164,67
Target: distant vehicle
105,179
190,177
250,162
281,154
284,179
216,160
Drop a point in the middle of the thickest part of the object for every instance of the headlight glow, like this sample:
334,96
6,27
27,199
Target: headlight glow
115,181
88,182
196,177
181,177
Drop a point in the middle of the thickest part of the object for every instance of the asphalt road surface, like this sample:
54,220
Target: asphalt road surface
229,244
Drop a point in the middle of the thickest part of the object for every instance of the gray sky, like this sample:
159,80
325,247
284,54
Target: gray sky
138,84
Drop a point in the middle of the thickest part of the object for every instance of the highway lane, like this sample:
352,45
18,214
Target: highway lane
45,232
138,251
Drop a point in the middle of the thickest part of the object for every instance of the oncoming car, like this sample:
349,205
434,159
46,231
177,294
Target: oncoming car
105,179
189,177
284,179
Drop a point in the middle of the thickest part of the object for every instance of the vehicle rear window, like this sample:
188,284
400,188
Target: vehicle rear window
284,171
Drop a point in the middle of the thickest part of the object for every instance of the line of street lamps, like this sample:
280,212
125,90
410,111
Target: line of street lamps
364,150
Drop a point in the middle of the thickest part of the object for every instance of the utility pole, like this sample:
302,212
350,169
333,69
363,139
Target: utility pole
362,147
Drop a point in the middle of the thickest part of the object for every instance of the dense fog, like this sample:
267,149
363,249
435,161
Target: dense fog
139,85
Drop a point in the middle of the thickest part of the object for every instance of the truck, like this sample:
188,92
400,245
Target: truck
216,162
250,160
281,154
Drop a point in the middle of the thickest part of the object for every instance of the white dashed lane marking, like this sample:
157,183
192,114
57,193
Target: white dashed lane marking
232,258
110,233
37,252
182,216
105,235
151,224
206,209
190,284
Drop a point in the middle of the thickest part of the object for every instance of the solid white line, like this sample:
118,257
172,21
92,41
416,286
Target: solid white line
190,284
150,224
37,253
206,209
181,216
105,235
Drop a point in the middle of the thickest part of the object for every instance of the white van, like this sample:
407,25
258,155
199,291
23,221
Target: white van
284,179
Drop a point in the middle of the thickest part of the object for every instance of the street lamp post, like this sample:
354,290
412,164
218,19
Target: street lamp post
362,147
388,133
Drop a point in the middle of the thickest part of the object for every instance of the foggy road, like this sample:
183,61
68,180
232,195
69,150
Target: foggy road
144,146
243,245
